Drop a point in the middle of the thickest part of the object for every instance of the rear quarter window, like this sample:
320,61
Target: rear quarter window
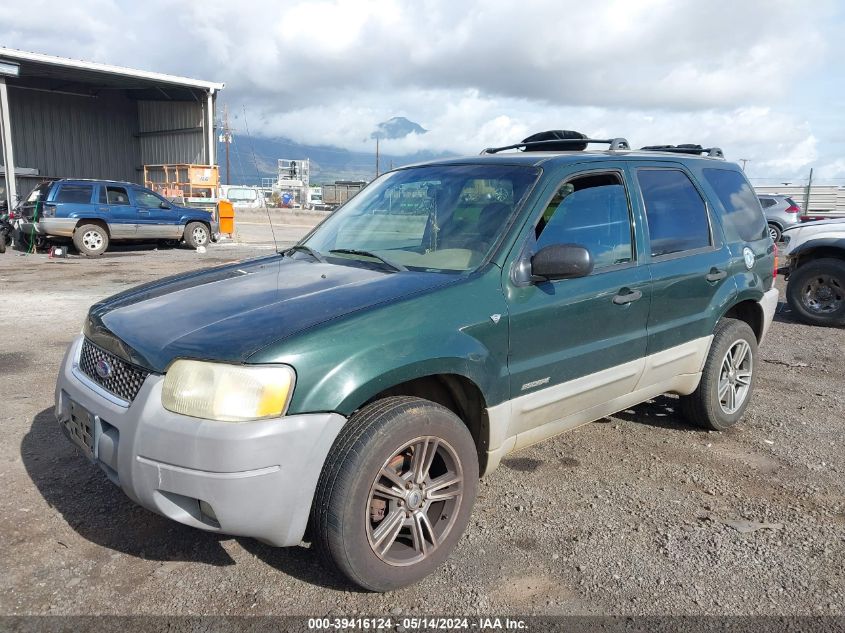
79,194
743,217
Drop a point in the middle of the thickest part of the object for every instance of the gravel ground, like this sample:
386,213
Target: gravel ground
635,514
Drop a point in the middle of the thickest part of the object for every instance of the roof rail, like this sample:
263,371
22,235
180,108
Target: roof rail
687,148
615,144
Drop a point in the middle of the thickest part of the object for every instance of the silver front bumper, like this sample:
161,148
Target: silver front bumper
258,478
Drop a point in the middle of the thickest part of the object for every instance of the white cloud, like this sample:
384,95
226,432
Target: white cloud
476,72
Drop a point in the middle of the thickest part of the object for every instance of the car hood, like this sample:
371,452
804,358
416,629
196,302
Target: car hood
795,236
229,313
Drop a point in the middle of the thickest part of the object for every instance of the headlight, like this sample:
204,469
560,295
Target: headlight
228,393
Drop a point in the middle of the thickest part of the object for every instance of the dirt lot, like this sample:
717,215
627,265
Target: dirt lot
631,515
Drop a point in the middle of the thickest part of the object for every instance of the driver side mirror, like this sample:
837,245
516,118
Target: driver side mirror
164,205
561,261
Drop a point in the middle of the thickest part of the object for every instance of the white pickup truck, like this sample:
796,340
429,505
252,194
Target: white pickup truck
814,260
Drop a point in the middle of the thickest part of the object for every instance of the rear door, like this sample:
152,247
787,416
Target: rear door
156,217
578,343
70,200
689,263
123,220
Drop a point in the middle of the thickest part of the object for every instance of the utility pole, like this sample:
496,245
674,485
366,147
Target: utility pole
226,137
377,156
807,194
744,161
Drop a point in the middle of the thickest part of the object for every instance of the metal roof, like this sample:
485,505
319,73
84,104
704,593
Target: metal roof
50,66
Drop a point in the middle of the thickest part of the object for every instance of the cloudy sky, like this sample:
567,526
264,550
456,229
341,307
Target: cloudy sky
763,79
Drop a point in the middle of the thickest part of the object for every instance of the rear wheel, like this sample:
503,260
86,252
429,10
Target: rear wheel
396,492
816,292
196,234
774,233
91,240
727,380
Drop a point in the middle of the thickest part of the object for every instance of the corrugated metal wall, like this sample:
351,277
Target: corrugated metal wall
78,137
105,137
171,132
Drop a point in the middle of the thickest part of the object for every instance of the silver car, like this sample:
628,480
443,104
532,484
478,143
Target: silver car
781,213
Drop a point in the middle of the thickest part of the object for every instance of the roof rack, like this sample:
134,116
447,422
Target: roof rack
615,144
686,148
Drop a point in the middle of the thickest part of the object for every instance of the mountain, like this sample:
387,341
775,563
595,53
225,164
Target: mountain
252,158
397,127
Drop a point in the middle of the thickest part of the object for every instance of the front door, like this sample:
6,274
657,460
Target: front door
156,216
578,343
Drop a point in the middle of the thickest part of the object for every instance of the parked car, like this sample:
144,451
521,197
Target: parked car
361,381
96,212
814,261
781,213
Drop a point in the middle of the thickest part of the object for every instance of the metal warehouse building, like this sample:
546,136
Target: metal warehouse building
68,118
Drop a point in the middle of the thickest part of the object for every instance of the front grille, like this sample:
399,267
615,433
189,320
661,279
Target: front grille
123,380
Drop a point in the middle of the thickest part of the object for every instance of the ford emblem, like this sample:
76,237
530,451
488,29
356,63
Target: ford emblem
103,369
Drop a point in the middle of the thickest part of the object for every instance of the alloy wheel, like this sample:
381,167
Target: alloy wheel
414,501
735,376
92,240
200,236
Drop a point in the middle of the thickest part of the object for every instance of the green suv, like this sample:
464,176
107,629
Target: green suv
352,389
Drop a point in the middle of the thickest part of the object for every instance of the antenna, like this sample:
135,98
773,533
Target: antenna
258,175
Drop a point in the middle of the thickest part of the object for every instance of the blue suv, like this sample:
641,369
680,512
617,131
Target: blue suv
95,212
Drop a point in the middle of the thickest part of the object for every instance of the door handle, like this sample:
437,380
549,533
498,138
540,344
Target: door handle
103,209
143,212
628,297
715,274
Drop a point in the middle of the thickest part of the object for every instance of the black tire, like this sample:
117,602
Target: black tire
816,292
20,241
775,232
91,240
197,234
704,407
344,517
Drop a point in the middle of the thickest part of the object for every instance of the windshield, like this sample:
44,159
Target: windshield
442,218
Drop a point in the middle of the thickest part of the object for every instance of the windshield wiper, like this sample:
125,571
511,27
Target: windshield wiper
355,251
306,249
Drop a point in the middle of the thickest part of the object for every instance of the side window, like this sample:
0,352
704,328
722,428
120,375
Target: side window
117,195
591,211
743,216
147,199
767,202
676,214
79,194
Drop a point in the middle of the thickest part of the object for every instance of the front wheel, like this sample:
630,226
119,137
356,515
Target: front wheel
396,492
727,380
816,292
196,234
